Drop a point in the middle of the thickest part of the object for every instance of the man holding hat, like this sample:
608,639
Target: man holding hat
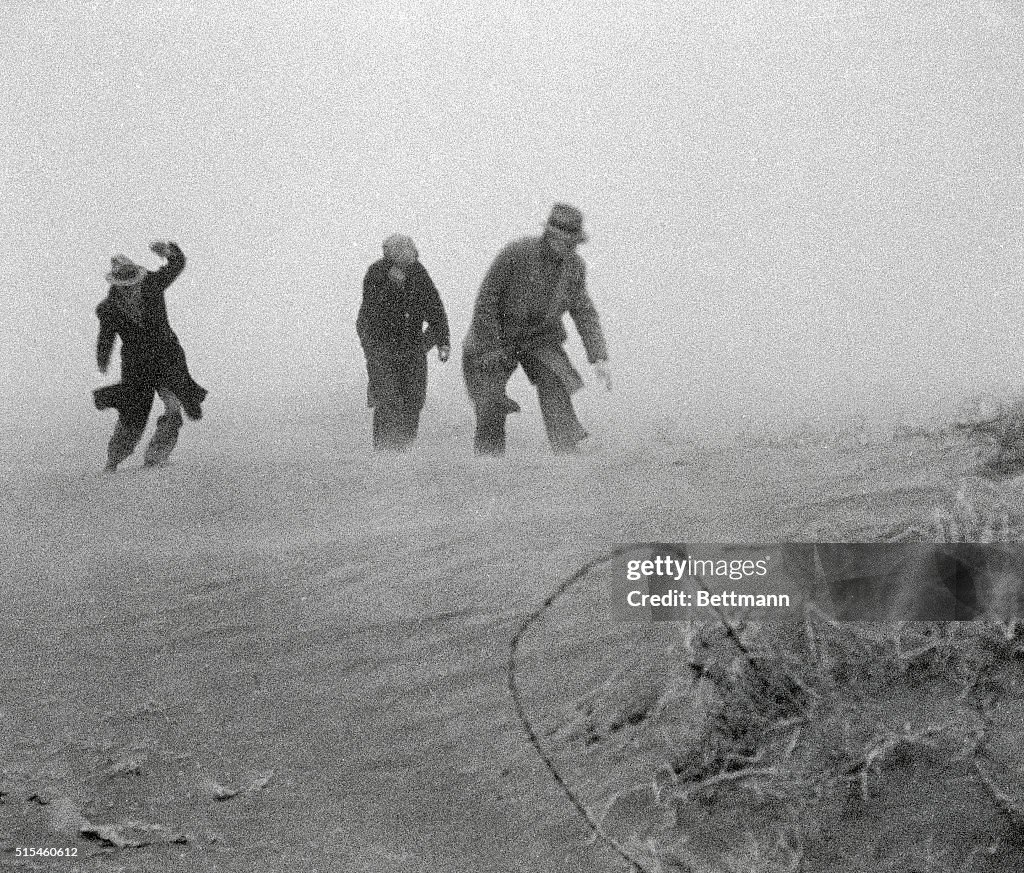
152,359
517,320
399,297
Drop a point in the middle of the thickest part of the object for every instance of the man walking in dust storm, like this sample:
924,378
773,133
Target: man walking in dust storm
398,298
517,320
152,359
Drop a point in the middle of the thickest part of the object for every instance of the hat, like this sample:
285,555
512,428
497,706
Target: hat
400,249
567,219
124,271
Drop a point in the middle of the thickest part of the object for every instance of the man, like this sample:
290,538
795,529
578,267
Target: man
517,320
398,298
152,360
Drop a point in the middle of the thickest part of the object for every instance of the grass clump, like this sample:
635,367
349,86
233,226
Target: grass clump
832,746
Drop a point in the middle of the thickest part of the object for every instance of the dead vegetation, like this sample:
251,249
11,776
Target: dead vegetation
897,743
997,429
821,745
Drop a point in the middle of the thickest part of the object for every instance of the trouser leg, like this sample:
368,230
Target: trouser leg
389,427
563,427
489,438
167,426
410,425
414,392
486,382
395,427
397,389
125,438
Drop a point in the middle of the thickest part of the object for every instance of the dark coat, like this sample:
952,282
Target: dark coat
151,355
390,326
518,317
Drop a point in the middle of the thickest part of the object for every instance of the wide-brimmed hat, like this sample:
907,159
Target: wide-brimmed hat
124,271
400,248
567,219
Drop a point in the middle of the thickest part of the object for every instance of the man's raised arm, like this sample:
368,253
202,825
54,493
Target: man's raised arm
175,258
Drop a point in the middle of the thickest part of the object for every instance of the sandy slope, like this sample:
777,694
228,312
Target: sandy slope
282,615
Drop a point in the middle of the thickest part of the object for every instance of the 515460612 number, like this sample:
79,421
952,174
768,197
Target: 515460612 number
45,852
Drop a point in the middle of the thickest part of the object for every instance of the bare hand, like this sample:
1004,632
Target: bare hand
442,353
159,247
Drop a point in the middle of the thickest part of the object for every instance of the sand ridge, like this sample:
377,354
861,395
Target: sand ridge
298,663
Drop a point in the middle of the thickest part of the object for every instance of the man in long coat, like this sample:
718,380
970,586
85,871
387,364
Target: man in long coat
399,297
152,359
517,320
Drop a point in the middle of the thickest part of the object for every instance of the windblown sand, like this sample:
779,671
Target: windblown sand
285,654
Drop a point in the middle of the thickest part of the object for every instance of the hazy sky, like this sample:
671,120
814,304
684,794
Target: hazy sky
786,199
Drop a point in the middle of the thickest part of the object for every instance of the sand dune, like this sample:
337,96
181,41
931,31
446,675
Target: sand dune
283,653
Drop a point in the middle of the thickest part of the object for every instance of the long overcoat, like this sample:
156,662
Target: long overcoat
390,326
518,315
151,355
